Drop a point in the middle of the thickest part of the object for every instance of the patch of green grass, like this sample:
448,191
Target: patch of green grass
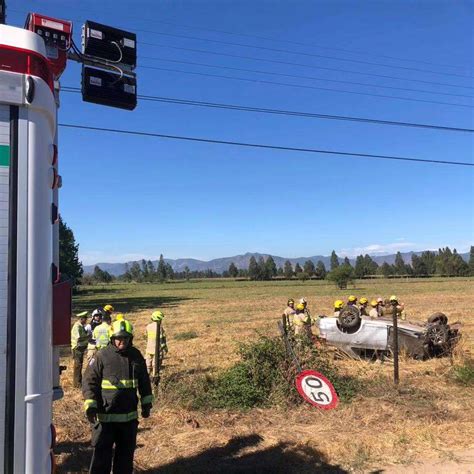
186,336
464,374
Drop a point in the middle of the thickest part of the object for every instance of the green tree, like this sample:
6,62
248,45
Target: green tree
262,269
270,267
386,269
254,272
288,270
233,270
347,262
370,265
308,268
101,276
341,276
320,271
298,269
186,272
69,264
418,265
161,269
334,260
169,271
136,272
400,267
360,269
429,261
471,261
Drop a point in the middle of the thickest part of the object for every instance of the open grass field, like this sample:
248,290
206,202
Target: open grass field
431,419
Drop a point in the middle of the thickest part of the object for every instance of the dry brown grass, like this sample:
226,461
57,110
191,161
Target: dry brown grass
430,416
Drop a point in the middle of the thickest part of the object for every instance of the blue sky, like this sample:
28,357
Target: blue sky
130,197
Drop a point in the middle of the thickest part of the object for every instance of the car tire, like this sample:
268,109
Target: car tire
438,334
439,318
349,317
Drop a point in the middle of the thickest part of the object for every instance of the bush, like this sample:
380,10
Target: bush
185,336
263,377
464,374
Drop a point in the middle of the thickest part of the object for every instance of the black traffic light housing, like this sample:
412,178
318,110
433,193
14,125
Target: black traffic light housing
109,88
111,44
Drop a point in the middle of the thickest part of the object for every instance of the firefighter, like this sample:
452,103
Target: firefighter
156,316
101,333
288,314
109,309
400,307
363,303
338,305
374,312
302,321
352,300
79,340
380,306
110,390
121,317
96,320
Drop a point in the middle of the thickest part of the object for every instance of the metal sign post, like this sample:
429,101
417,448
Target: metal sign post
396,377
313,386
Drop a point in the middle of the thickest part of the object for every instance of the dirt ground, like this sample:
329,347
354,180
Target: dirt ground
429,419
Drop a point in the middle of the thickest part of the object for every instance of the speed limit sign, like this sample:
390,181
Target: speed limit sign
316,389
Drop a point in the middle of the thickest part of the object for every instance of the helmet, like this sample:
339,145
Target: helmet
363,301
109,308
84,314
121,329
303,300
157,316
373,303
352,299
379,300
338,304
291,301
97,312
393,298
119,317
300,306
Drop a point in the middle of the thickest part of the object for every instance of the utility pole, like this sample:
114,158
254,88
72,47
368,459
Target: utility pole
396,377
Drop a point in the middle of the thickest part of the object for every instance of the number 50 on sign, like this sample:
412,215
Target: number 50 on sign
316,389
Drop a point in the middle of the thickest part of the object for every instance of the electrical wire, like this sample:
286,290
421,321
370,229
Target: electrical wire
177,101
310,66
301,86
263,146
297,76
285,51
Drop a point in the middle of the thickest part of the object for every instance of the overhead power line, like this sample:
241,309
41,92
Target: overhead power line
263,146
303,86
310,66
297,76
243,108
278,40
286,51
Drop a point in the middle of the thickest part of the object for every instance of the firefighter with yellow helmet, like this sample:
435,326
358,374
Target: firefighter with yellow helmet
79,341
110,386
363,303
338,305
156,316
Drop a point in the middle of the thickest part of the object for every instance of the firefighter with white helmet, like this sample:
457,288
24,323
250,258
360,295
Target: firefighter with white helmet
110,389
96,320
79,341
156,316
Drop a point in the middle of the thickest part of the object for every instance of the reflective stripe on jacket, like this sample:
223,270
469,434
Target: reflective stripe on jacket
101,335
79,335
111,382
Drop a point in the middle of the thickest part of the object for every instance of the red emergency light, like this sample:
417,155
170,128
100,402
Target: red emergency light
57,36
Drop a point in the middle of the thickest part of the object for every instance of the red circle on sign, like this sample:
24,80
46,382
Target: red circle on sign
316,389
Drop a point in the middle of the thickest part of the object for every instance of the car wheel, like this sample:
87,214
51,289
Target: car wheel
438,334
349,317
438,317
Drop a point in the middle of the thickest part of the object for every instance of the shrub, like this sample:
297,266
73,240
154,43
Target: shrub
464,374
185,336
263,377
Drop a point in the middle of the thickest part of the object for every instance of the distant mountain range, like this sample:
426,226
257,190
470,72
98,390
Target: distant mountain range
219,265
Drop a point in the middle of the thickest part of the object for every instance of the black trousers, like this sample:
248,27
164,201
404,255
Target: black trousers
104,437
78,360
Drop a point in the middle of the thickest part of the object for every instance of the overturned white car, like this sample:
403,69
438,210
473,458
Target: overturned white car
361,336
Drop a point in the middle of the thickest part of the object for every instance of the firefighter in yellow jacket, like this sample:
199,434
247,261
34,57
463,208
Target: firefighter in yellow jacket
79,341
110,389
157,316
